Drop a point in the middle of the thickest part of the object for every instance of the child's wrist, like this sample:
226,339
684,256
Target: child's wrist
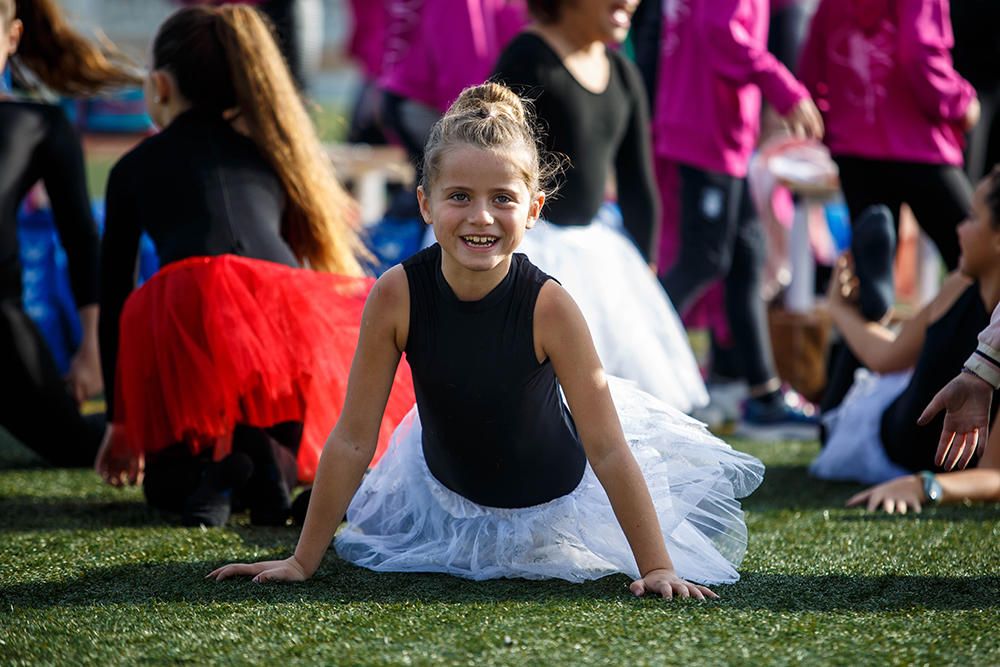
666,569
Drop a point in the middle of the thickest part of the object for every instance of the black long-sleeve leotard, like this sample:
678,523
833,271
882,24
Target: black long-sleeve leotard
198,188
37,143
596,131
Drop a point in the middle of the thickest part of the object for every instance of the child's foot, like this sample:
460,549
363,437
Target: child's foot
209,504
781,415
873,247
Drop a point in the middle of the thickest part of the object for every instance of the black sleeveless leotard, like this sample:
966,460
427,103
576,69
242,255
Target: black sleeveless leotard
948,343
495,428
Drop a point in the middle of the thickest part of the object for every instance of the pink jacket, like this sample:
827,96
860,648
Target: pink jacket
713,67
367,41
881,73
435,48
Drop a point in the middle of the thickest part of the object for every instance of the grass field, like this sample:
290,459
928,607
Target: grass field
91,576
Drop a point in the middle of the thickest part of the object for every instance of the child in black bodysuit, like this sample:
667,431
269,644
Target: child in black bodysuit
493,474
226,370
590,100
874,435
37,143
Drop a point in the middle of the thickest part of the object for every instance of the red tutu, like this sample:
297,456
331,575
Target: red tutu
211,342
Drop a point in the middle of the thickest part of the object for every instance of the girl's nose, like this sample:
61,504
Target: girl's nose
480,215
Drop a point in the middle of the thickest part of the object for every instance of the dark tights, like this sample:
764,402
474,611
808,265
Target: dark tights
721,238
173,474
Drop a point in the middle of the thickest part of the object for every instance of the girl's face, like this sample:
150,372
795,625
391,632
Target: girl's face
979,237
480,206
602,20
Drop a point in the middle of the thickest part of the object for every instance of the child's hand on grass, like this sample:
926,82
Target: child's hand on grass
271,570
897,496
668,585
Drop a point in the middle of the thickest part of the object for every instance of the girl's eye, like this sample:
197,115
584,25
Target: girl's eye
504,199
459,196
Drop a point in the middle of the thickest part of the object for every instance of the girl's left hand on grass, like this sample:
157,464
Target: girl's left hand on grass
668,585
116,463
271,570
897,496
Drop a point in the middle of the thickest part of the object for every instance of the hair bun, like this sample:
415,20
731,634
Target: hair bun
490,99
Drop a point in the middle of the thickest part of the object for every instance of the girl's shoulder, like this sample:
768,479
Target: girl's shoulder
389,303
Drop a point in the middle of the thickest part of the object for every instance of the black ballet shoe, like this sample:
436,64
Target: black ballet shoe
210,503
873,246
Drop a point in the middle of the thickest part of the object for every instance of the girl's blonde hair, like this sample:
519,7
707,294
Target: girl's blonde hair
493,117
60,57
225,59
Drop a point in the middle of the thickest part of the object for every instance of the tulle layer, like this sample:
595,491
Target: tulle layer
210,342
635,328
403,520
854,451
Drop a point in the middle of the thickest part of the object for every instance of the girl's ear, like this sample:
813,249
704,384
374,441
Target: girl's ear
14,36
535,209
425,205
163,86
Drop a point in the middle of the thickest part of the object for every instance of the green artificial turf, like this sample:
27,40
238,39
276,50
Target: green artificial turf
89,575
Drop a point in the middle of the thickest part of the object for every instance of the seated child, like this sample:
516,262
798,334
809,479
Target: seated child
873,435
522,458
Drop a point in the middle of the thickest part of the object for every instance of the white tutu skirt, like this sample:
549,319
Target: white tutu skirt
403,520
636,330
854,451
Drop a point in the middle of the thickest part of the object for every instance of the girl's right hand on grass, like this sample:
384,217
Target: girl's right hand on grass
668,585
263,572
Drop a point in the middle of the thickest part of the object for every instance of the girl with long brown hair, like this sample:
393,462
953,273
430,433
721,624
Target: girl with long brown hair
37,144
227,369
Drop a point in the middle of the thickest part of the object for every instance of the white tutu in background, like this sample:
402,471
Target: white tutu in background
403,520
636,330
853,450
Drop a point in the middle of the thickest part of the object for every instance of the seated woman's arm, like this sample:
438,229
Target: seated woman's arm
878,348
907,493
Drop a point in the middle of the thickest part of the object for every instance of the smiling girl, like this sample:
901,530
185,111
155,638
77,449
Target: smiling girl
514,462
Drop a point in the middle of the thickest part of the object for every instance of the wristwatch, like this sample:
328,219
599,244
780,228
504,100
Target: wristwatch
932,487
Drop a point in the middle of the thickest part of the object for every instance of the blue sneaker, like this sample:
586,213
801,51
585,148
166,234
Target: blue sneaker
791,418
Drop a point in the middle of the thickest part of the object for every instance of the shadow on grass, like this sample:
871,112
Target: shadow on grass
32,514
791,488
341,583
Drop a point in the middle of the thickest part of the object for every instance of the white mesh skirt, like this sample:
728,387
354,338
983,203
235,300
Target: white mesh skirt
635,328
403,520
853,450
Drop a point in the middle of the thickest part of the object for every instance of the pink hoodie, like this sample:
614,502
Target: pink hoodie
882,75
435,48
714,65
